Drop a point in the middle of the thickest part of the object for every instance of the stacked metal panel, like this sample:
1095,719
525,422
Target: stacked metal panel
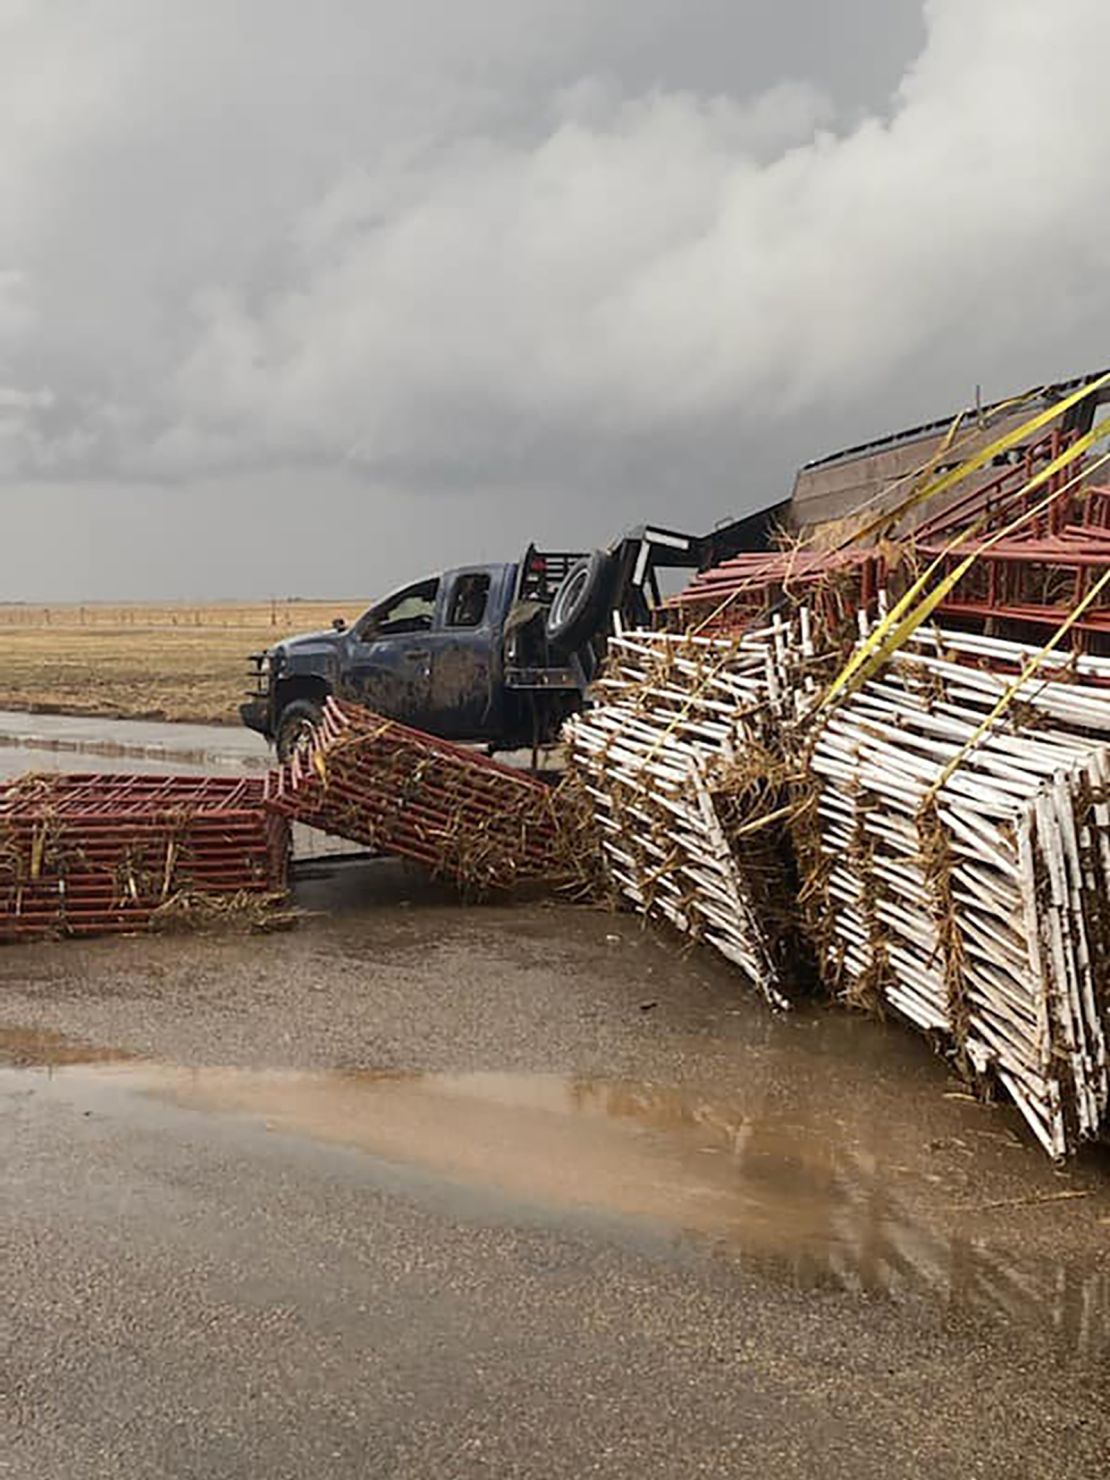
963,878
730,597
95,854
673,757
1040,544
1069,689
402,793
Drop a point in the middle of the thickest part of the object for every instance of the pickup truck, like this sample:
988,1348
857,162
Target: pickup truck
464,655
493,654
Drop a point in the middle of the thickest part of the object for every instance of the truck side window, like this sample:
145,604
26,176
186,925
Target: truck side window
411,610
469,600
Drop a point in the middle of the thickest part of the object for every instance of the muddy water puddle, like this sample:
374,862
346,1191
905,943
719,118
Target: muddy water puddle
818,1201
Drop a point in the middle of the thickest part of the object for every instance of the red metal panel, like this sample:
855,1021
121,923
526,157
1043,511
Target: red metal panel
400,792
89,854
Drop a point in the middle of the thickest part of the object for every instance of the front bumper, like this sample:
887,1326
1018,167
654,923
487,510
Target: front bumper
255,714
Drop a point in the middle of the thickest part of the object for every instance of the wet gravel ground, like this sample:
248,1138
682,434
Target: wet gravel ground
194,1288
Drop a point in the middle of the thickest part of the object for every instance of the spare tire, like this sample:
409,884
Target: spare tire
579,604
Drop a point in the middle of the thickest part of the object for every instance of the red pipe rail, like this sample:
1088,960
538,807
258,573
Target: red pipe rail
97,854
402,793
1002,498
724,600
1020,587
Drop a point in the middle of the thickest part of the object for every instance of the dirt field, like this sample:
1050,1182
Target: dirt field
177,662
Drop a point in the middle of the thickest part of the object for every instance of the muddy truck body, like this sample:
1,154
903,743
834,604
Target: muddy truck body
495,654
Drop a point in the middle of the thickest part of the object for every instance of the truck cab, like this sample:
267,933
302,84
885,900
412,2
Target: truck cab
429,653
460,654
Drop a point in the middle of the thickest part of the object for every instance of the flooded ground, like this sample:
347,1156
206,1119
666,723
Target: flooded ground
420,1189
777,1180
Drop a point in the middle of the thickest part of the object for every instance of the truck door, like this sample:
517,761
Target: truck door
389,657
465,694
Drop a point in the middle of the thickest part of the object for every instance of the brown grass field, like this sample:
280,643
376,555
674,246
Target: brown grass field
175,662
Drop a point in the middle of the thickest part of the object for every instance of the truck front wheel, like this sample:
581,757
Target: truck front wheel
298,723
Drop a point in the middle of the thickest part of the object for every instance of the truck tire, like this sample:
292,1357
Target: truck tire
579,605
296,726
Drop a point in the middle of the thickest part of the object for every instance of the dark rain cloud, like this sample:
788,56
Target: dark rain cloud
439,277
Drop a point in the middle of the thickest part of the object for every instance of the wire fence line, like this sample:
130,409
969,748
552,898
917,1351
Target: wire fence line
280,613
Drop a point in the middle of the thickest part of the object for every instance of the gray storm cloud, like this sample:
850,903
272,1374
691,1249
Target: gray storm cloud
438,244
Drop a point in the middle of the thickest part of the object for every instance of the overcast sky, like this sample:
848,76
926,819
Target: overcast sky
309,298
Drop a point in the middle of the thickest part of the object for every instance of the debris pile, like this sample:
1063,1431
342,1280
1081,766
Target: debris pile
956,866
95,854
486,827
924,821
677,758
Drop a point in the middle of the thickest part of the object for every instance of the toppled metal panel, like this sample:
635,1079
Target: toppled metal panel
958,872
95,854
674,760
406,794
